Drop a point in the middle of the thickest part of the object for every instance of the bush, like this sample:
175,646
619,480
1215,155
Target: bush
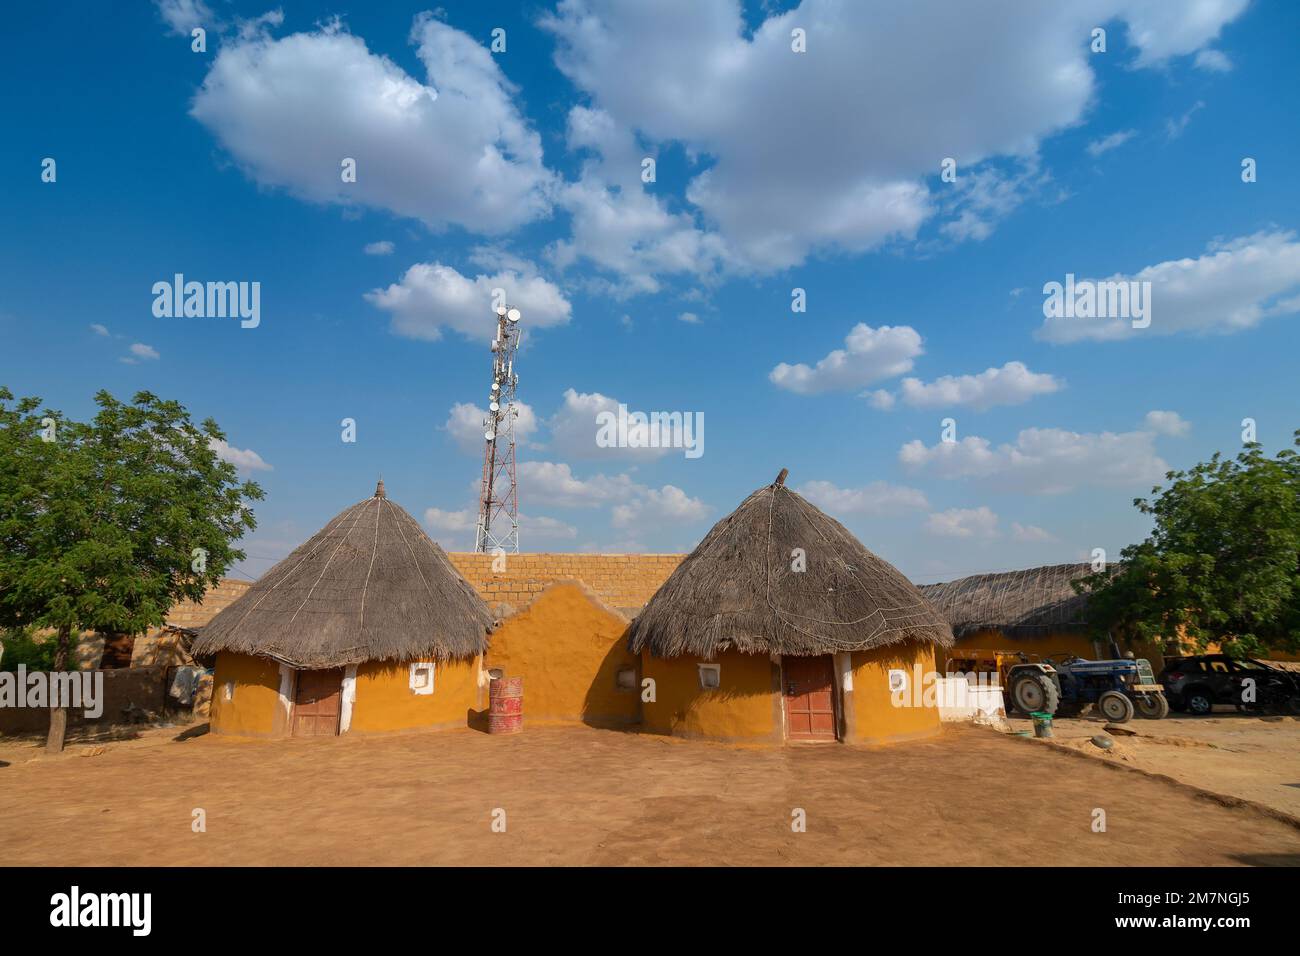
23,647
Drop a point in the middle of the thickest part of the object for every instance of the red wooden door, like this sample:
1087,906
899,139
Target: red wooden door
316,703
809,697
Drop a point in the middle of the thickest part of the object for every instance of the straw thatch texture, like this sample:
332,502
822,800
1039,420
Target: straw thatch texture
738,589
370,585
1029,603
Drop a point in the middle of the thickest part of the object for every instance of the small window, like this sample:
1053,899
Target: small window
422,677
710,676
228,690
626,678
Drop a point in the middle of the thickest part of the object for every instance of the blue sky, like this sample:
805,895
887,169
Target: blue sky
775,170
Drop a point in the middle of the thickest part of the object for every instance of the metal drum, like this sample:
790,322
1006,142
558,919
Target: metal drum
506,705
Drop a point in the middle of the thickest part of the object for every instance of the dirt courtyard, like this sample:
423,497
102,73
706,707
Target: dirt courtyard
1243,756
583,796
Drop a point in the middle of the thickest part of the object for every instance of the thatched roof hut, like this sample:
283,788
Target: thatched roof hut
1021,604
739,589
370,585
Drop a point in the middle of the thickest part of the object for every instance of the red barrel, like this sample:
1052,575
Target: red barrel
506,705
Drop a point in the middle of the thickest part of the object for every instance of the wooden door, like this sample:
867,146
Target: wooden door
809,691
316,703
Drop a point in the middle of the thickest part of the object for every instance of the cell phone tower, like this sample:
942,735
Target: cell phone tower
498,503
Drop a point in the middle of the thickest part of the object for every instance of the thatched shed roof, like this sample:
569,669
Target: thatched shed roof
370,585
738,589
1029,603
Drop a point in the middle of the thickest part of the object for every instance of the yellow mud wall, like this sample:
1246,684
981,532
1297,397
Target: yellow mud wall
569,650
1055,645
1049,645
251,711
746,707
385,702
872,715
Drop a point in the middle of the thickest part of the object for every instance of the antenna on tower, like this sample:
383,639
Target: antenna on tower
498,503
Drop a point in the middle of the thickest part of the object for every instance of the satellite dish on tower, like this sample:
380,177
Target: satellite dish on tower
489,435
501,310
513,315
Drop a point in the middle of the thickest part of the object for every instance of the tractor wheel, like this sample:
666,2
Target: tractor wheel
1115,707
1152,706
1199,702
1035,693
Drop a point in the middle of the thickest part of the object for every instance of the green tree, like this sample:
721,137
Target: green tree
1222,563
105,525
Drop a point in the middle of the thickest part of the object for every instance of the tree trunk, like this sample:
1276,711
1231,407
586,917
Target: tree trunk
59,715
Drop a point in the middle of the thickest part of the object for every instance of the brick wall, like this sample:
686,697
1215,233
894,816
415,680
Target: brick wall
190,614
624,582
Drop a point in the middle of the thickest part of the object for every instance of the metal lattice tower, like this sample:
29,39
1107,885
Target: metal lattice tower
498,503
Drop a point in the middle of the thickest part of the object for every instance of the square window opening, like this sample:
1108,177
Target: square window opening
422,678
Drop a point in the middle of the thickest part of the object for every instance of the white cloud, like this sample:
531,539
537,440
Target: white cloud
182,16
1030,533
1175,127
1235,285
452,150
542,528
1167,423
1042,460
139,352
459,527
1162,30
1012,384
978,522
633,506
432,296
999,80
450,522
573,430
869,355
615,223
99,329
245,459
980,199
553,483
1214,61
878,499
653,508
465,425
881,399
689,317
1113,141
382,248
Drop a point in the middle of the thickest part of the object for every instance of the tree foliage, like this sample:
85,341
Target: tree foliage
104,525
1222,564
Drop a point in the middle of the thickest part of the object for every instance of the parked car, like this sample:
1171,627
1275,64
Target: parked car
1195,684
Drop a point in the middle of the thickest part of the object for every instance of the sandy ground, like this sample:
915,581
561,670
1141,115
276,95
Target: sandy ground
1250,757
583,796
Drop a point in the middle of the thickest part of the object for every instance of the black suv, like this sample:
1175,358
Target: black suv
1196,684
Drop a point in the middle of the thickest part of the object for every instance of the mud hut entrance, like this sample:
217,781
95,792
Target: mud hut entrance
317,701
808,689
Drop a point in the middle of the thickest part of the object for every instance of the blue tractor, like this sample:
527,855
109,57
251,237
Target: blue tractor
1117,688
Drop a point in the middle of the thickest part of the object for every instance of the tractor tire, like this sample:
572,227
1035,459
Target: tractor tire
1152,706
1035,693
1199,703
1115,707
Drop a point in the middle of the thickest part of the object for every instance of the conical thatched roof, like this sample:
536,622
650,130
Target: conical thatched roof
738,589
370,585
